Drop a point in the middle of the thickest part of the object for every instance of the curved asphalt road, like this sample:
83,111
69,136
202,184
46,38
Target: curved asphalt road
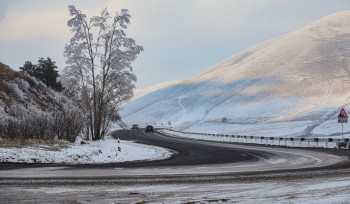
194,161
188,152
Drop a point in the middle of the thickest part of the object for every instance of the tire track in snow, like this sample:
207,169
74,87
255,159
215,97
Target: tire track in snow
309,130
238,89
182,106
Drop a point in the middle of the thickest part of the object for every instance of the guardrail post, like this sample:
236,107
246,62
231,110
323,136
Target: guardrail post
316,140
346,140
301,139
329,140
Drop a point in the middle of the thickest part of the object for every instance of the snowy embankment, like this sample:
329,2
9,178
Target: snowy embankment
103,151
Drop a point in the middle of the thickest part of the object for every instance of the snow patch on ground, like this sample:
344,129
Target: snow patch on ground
103,151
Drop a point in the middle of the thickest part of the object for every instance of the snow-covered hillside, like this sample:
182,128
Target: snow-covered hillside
31,110
294,85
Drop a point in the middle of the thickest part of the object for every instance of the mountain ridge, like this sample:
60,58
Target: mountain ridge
284,79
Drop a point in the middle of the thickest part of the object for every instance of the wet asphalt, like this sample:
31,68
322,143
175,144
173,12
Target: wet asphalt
185,152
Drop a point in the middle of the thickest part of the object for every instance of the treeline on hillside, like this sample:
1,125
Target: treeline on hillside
45,71
31,110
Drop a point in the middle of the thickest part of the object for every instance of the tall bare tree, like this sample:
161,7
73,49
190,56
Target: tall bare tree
99,72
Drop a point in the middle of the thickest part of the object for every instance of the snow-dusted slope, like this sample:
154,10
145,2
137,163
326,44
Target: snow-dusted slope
293,84
141,92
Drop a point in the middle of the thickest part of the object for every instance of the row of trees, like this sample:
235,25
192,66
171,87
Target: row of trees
30,110
99,74
65,125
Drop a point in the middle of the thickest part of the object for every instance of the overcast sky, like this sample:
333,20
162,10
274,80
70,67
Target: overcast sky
180,37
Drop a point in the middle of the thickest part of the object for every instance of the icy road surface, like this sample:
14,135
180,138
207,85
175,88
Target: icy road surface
278,175
296,190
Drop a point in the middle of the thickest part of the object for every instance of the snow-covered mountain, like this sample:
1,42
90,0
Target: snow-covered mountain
294,84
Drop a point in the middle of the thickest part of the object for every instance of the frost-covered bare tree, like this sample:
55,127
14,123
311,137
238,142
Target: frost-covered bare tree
99,72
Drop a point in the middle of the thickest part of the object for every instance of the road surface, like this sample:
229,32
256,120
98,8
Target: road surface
193,160
198,172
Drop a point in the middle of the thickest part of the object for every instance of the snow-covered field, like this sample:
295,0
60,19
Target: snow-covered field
103,151
267,130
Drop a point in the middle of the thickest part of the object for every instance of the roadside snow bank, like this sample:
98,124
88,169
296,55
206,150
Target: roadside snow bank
103,151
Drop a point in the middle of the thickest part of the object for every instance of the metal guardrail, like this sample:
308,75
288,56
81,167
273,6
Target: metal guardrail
284,141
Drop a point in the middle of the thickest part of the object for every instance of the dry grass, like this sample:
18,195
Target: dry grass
7,74
34,92
53,145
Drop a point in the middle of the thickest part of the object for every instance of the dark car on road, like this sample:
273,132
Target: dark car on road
149,128
135,127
